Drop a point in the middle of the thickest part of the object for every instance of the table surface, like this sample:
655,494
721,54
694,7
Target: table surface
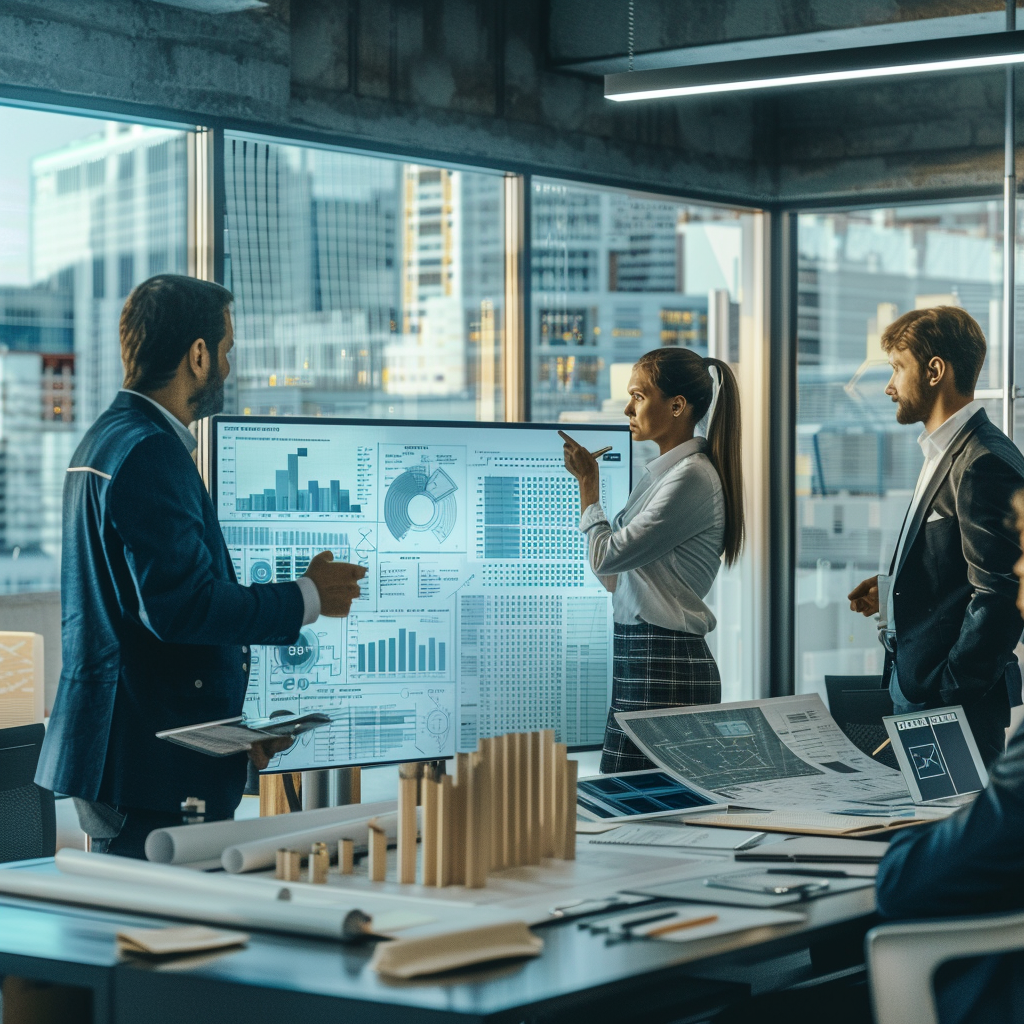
576,965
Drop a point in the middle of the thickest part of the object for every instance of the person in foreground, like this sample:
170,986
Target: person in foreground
970,863
662,552
156,630
946,607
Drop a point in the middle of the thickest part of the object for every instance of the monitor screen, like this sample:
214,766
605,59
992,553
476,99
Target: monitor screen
479,613
937,753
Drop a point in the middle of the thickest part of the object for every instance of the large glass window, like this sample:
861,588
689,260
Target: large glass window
363,286
615,274
88,209
856,467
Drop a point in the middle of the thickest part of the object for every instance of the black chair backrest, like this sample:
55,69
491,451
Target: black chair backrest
858,705
28,822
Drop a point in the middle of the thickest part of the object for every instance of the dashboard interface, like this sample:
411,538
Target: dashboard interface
479,614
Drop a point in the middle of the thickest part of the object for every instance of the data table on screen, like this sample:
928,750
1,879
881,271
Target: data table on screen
479,614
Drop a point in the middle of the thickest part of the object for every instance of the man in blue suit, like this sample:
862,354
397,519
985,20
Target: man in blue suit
970,863
156,629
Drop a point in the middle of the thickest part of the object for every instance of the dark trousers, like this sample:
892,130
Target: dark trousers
131,840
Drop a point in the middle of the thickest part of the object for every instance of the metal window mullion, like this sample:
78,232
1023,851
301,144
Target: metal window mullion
514,348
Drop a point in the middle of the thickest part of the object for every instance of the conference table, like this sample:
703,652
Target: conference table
580,975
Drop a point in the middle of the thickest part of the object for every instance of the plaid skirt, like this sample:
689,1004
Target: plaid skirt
654,668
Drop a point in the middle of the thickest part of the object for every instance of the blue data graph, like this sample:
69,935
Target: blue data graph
287,496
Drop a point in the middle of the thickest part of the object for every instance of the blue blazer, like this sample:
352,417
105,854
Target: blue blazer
155,627
970,863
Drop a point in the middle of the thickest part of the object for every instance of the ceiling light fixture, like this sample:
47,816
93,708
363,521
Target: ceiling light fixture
990,50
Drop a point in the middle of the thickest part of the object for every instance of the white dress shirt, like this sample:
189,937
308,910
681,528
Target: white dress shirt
310,595
665,547
933,447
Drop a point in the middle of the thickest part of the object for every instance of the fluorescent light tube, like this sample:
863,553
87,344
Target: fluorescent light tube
996,49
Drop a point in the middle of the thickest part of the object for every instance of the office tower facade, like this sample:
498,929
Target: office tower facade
856,466
614,275
105,212
350,280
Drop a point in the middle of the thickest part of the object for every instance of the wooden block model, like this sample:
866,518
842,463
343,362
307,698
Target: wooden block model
289,865
346,856
479,840
407,790
508,824
547,793
445,799
559,817
21,679
319,863
569,835
460,790
533,837
377,842
428,793
495,760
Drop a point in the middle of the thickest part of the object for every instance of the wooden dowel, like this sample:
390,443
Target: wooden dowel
547,793
458,843
445,799
533,853
559,816
377,843
319,863
407,790
346,856
507,801
430,785
569,842
471,848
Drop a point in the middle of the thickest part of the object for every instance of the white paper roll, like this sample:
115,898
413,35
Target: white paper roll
168,876
262,853
342,923
185,844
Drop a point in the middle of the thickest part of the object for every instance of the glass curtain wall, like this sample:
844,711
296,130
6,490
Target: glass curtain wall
364,286
856,467
615,274
88,209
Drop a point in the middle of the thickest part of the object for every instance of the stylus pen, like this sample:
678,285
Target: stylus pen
602,451
812,873
880,748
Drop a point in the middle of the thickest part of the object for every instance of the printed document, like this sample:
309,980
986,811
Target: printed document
766,754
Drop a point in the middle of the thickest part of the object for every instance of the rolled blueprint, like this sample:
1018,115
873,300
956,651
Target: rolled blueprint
188,844
341,923
80,864
258,854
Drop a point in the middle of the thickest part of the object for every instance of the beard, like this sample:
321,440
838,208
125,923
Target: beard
209,399
912,406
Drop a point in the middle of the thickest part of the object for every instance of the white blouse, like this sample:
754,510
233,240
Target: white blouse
665,546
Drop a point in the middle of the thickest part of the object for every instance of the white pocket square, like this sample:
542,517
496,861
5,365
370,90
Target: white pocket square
935,517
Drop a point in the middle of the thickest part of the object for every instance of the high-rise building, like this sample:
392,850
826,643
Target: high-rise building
615,275
107,212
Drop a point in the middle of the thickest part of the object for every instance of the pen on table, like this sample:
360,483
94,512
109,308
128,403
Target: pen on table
631,923
676,926
880,748
812,873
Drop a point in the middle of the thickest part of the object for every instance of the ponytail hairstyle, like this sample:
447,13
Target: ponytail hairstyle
680,371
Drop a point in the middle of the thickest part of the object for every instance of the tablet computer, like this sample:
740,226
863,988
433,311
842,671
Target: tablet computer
634,796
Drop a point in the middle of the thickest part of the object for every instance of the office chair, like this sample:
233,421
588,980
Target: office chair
902,960
28,822
858,704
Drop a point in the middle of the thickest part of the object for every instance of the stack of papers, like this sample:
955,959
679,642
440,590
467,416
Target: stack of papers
784,752
679,836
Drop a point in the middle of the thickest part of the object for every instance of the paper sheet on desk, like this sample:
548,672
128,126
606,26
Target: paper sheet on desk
766,754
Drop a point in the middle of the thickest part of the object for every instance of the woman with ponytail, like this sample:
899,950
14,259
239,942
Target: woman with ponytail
660,555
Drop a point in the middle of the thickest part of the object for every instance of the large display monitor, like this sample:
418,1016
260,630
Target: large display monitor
479,614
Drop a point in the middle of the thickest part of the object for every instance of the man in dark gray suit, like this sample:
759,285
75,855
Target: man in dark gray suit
946,607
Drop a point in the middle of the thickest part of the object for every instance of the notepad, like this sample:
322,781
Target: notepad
185,938
685,836
815,823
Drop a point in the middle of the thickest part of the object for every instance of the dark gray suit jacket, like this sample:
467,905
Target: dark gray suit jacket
954,592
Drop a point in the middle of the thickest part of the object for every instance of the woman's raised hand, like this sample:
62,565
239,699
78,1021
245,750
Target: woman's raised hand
578,461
